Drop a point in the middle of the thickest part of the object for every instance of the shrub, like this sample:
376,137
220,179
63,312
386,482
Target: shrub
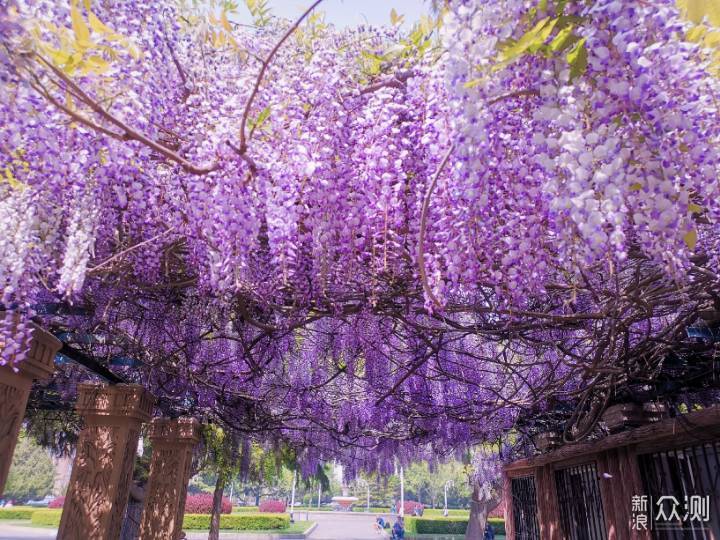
46,517
201,503
448,525
57,502
245,509
238,522
498,524
273,506
410,506
16,513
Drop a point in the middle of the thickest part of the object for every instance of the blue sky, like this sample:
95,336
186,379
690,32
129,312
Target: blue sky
351,12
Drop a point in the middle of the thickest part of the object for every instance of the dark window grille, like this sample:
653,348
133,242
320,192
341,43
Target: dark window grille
524,508
580,504
683,473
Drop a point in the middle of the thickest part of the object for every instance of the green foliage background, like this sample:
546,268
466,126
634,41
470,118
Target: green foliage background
32,472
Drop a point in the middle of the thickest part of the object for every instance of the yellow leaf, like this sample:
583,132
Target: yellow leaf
58,57
691,239
14,183
97,25
95,64
697,10
695,208
82,32
712,39
696,33
637,186
224,21
396,18
134,51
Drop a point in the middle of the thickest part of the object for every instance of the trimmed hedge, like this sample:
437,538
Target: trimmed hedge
448,525
16,513
238,522
49,518
242,522
245,509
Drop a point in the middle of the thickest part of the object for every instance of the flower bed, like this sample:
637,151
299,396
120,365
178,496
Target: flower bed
57,502
201,503
410,506
448,525
273,506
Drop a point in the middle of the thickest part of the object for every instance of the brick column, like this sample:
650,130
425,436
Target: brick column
15,390
172,445
103,466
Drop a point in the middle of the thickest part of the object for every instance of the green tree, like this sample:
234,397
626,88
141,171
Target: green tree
31,473
222,457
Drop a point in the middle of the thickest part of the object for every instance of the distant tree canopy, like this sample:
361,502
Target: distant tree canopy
31,473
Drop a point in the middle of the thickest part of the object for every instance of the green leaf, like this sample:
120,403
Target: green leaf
691,239
264,115
577,58
695,208
563,39
472,83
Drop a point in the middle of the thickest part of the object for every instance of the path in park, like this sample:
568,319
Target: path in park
342,525
12,531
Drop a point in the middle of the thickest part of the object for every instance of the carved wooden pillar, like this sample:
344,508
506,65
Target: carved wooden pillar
15,390
172,446
508,506
548,515
102,471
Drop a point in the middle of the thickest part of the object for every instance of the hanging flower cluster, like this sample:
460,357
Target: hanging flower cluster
354,238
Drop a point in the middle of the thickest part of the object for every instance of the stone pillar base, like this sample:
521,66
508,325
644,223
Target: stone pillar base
15,390
172,445
102,471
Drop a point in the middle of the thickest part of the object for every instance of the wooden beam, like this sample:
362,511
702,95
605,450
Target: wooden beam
91,364
697,426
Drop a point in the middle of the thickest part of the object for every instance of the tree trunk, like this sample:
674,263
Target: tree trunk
479,510
217,508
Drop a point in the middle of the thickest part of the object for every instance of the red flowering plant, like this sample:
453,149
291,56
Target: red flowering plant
273,506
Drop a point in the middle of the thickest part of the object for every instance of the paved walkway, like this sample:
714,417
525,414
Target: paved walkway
343,526
15,531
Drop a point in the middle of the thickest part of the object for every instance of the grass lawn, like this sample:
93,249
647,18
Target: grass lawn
297,527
